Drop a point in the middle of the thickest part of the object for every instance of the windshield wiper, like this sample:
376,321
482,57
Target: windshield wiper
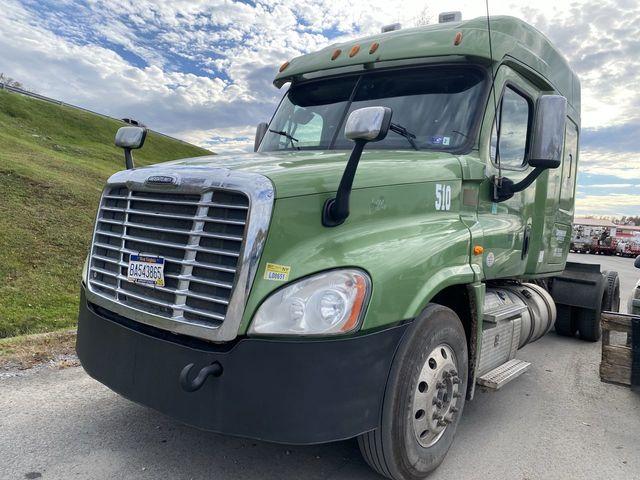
400,130
291,138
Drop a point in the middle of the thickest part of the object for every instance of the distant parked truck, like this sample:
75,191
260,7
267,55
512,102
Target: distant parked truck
587,233
627,241
400,232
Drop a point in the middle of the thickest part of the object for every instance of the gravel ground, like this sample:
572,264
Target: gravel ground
557,421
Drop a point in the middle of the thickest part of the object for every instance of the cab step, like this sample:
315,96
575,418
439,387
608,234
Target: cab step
500,376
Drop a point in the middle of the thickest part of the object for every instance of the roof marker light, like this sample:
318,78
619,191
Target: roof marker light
354,50
457,40
373,48
336,53
284,66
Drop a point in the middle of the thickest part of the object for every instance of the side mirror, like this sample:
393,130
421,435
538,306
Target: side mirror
260,131
369,124
548,132
637,262
546,146
130,138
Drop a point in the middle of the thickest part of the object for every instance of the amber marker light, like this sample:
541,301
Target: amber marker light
361,292
457,40
336,53
374,46
354,50
478,250
284,66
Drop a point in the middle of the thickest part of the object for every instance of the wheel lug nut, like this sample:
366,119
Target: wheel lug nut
446,375
455,380
454,409
439,385
453,372
437,402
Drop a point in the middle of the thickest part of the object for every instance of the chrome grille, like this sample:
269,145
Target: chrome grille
200,236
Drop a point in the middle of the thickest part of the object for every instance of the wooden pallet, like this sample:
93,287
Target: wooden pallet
617,364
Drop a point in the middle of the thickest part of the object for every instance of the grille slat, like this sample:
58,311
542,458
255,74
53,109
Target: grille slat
220,268
199,236
173,291
235,238
177,202
197,248
172,216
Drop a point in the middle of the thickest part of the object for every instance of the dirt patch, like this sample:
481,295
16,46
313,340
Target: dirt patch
28,351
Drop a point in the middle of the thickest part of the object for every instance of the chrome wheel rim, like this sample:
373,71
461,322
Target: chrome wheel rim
436,395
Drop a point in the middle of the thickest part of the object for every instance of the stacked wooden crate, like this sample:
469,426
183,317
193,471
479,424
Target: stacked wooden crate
620,349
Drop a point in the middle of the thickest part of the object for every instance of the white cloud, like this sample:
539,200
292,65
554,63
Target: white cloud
202,70
613,204
624,165
612,185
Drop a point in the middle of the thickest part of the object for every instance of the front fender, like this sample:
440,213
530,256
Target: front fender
410,249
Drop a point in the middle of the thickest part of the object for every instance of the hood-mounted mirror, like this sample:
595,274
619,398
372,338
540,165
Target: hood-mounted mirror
364,125
130,138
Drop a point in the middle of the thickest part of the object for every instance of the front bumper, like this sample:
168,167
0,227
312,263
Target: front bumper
286,391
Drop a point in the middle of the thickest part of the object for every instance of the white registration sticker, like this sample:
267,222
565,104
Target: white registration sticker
146,269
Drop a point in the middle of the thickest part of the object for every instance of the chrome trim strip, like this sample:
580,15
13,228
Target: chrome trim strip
195,180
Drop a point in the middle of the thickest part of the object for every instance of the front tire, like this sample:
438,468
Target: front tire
424,399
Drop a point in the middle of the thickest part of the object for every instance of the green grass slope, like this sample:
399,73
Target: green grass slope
54,161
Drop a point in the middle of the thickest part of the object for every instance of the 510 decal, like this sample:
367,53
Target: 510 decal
443,196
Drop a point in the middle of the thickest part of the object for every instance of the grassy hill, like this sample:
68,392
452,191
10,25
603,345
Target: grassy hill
54,161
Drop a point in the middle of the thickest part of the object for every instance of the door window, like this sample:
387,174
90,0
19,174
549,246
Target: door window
569,164
509,139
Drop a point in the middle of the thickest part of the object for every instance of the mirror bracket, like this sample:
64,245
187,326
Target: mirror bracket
128,159
368,124
504,188
336,210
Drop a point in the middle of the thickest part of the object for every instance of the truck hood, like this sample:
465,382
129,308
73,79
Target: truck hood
305,173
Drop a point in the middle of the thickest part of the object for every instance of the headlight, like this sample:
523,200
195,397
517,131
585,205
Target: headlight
324,304
85,269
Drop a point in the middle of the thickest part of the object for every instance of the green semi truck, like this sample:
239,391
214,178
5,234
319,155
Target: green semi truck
400,231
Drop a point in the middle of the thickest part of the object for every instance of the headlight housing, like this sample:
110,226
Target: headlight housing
329,303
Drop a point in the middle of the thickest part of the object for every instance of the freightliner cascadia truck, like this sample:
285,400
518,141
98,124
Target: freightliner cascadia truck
400,231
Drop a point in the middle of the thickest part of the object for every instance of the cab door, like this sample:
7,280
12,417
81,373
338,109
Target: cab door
507,226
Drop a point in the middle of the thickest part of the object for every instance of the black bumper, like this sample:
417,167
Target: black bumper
298,392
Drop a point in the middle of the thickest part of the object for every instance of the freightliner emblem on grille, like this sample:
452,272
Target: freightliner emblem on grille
161,180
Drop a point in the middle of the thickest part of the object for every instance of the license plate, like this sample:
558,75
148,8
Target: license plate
146,269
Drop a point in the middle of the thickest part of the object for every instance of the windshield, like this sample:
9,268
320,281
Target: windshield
435,104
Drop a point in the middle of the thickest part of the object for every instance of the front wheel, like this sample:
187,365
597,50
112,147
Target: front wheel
424,399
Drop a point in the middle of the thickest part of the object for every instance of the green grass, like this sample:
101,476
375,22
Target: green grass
54,162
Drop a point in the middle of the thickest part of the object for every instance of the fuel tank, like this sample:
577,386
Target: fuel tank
515,314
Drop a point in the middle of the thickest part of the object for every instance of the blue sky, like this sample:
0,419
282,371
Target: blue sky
202,70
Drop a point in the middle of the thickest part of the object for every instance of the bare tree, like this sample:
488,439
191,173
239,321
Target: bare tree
424,18
7,80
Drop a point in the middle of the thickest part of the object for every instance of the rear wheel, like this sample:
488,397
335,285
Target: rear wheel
565,323
424,399
612,292
588,321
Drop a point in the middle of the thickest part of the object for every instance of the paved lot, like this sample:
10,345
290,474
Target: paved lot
556,422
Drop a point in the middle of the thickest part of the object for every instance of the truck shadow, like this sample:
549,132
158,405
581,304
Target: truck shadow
166,448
